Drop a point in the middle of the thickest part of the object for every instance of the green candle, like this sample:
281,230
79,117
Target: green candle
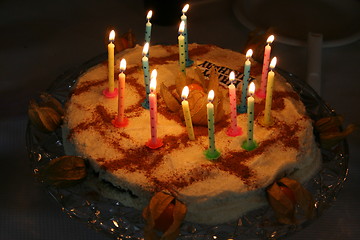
211,153
249,144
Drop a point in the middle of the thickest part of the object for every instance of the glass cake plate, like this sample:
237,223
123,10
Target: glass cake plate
118,221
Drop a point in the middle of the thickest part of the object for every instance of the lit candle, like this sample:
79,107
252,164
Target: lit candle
148,30
120,120
269,92
211,153
184,19
233,130
181,40
245,82
154,142
146,70
262,91
111,91
250,144
186,111
148,27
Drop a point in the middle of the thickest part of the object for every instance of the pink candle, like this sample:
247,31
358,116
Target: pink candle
154,142
120,120
262,91
233,130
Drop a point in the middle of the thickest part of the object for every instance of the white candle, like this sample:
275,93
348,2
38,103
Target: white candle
186,111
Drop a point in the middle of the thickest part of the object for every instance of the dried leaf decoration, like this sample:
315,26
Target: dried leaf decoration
162,204
284,206
330,132
64,171
198,97
45,115
171,102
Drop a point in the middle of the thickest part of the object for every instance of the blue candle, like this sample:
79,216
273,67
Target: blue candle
148,29
146,70
245,82
181,40
184,19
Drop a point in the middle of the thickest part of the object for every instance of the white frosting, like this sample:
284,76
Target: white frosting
218,196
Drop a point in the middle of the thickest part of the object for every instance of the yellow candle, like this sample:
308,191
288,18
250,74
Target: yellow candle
111,48
269,92
187,115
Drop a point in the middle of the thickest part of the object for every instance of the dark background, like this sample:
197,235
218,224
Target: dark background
42,39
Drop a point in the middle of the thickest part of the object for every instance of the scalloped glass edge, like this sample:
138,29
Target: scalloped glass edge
82,202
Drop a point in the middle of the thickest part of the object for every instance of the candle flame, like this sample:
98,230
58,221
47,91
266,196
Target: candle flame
122,65
252,88
185,93
112,36
232,76
185,8
149,15
153,80
153,73
181,27
270,39
211,95
273,63
146,49
249,53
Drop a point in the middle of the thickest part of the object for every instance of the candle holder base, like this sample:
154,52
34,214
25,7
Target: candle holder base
109,94
154,145
233,132
260,94
212,155
145,104
249,146
241,109
120,124
266,124
189,63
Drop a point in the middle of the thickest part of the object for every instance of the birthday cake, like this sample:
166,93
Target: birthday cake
214,191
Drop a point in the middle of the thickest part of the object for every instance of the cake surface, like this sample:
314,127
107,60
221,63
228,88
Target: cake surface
213,191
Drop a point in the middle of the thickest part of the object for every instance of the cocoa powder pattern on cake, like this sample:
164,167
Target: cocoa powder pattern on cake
147,160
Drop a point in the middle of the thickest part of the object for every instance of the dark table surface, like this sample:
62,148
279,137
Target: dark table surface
42,39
